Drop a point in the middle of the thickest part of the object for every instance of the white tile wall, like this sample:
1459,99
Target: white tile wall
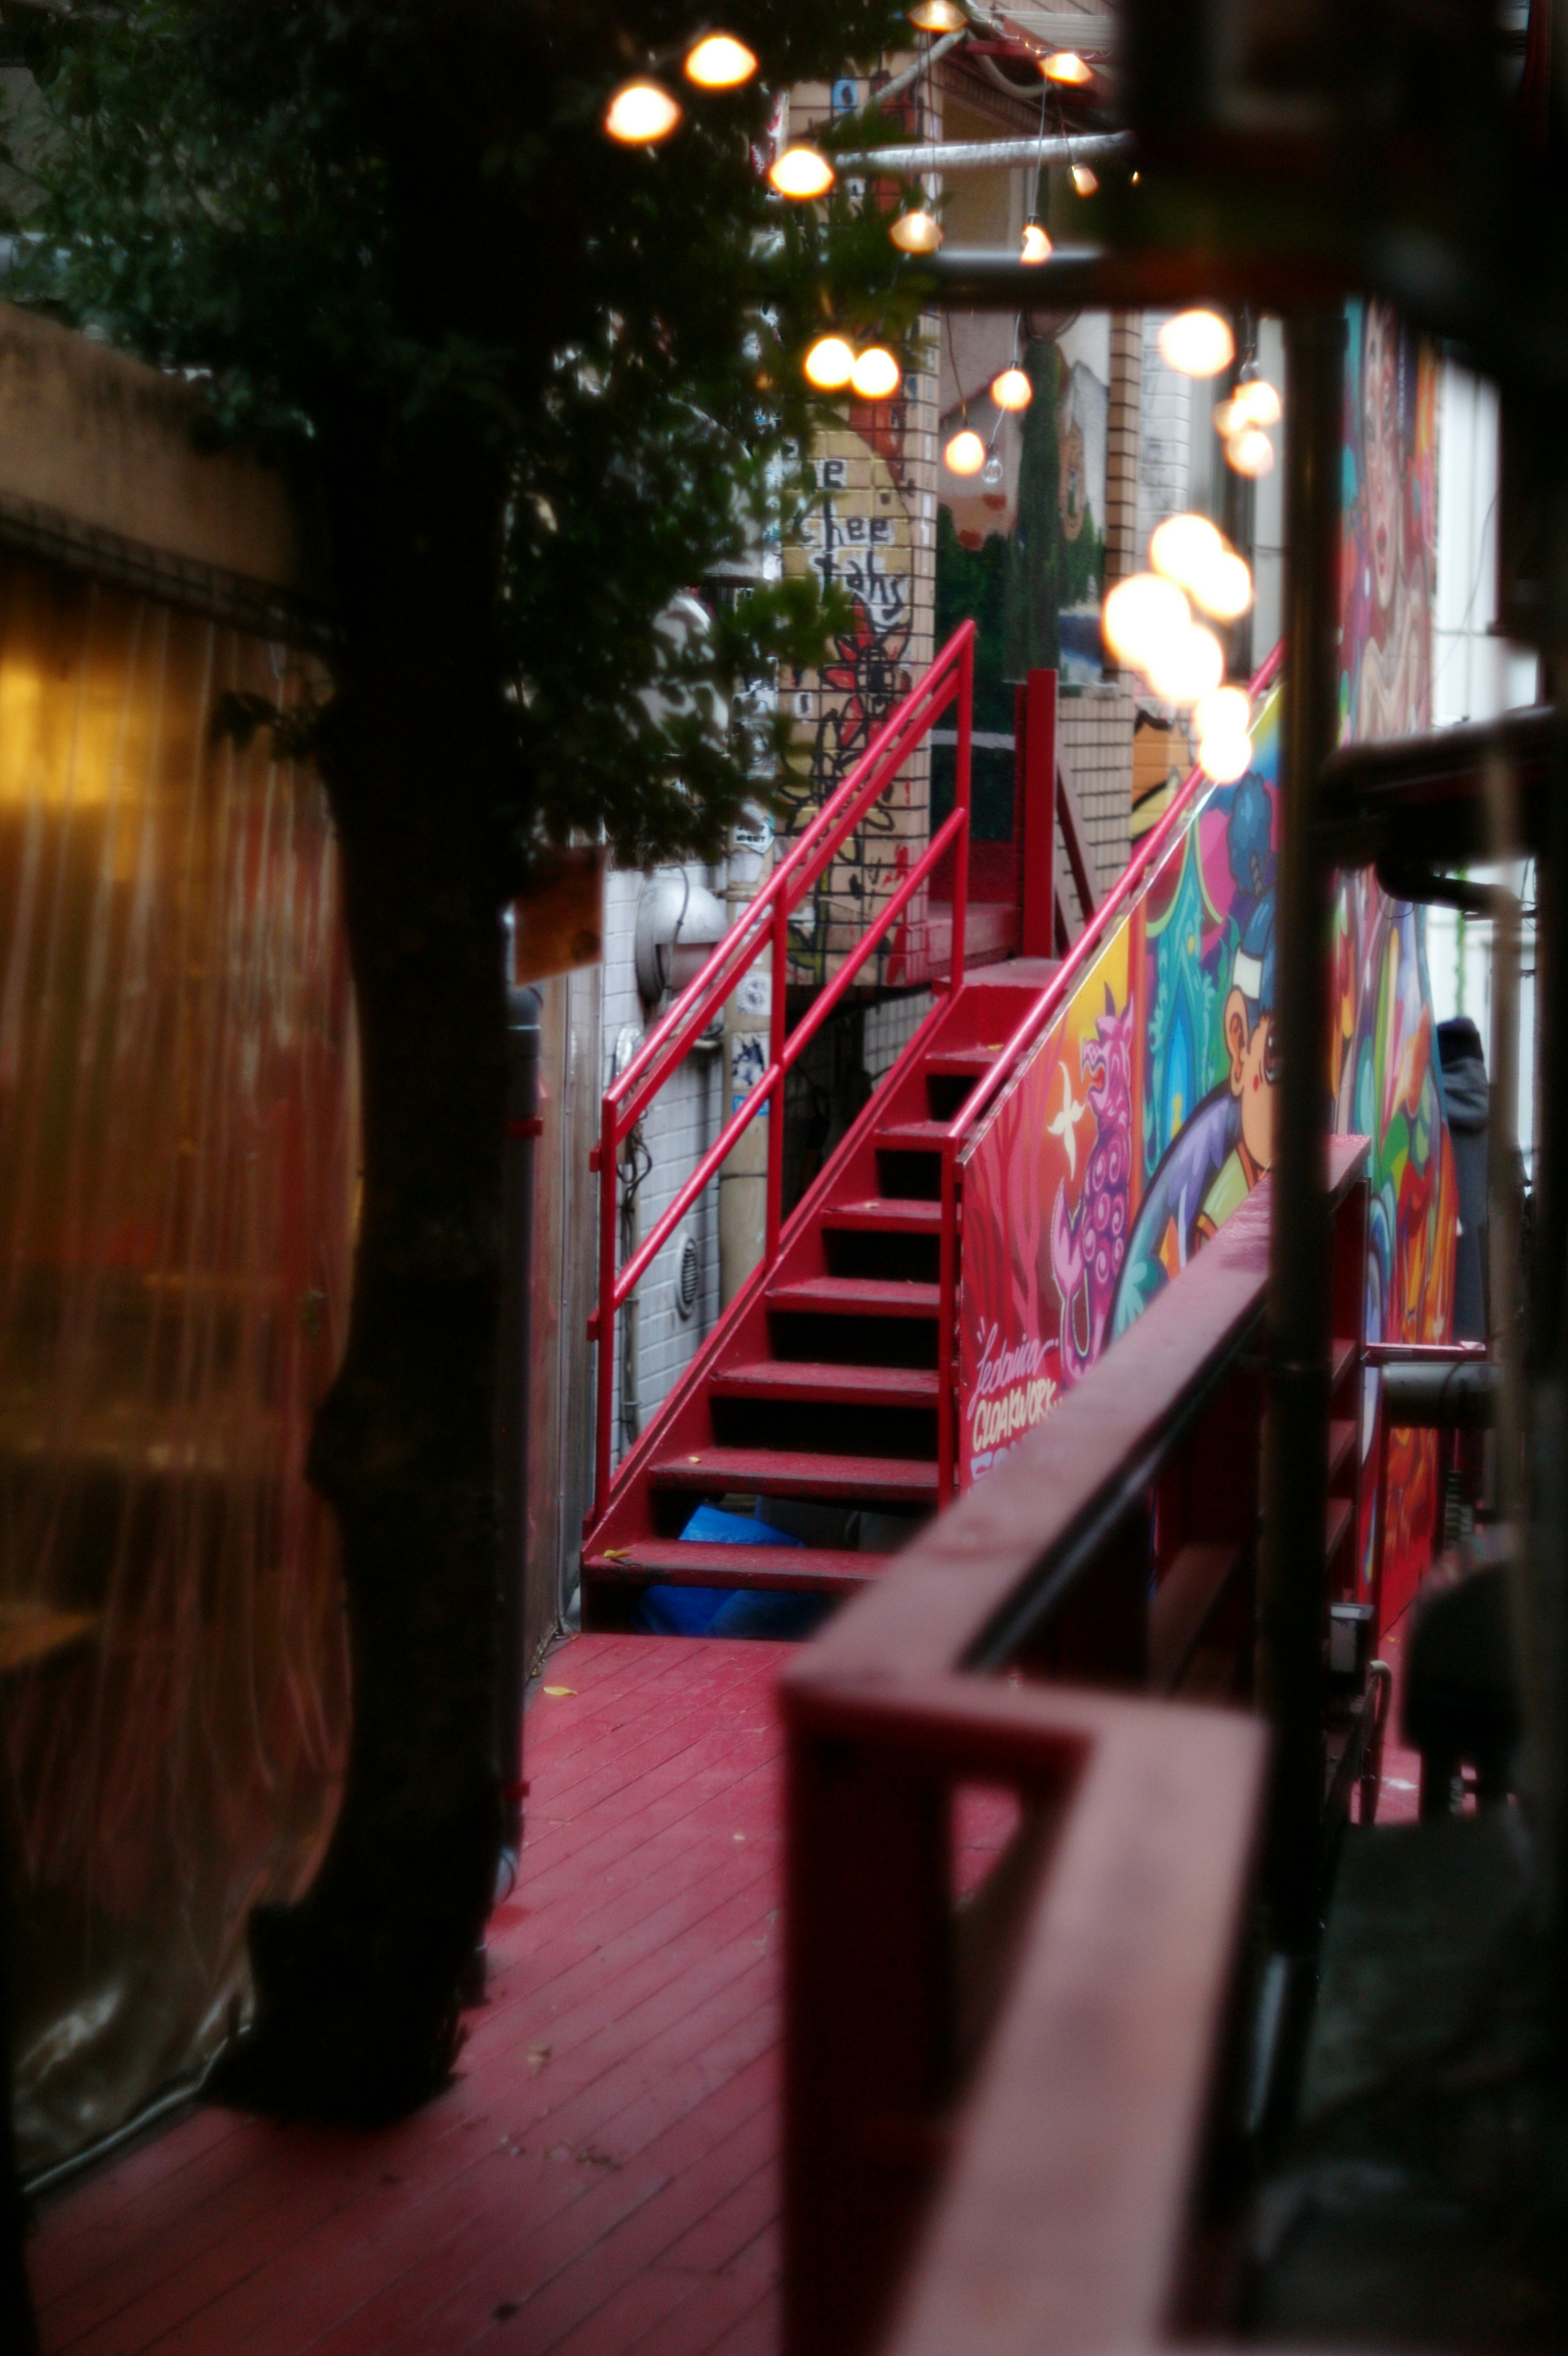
679,1127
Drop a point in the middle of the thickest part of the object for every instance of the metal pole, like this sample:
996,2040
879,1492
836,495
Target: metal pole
1295,1467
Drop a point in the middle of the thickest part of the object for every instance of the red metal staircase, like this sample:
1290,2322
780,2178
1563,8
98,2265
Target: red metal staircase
830,1380
827,1381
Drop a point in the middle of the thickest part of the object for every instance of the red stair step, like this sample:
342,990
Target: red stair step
804,1570
846,1296
961,1063
792,1473
806,1378
885,1215
912,1135
1341,1443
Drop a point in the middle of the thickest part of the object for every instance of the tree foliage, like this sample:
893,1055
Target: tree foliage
398,225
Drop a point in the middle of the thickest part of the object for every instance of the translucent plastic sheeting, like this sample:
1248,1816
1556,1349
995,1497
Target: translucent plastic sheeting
177,1160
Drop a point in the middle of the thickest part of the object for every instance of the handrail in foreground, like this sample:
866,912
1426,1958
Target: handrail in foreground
999,2099
949,680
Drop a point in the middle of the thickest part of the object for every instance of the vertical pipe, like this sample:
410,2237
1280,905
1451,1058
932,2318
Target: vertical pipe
1293,1590
512,1392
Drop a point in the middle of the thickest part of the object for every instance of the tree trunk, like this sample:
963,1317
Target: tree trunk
357,1986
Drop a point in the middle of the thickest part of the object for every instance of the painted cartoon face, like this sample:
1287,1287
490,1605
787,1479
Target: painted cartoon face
1380,427
1253,1071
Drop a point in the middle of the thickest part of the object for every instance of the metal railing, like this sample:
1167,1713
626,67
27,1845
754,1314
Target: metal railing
950,679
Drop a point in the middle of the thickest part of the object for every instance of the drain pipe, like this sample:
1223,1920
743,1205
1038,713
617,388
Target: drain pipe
743,1180
1296,1464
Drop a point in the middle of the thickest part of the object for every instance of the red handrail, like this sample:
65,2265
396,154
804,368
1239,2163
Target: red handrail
1140,867
951,678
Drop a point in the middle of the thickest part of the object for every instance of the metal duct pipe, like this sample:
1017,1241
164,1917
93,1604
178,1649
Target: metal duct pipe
989,154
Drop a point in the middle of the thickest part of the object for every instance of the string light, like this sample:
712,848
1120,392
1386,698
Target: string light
993,470
1225,711
1011,390
916,233
1226,588
721,62
1183,548
1187,666
1249,452
1067,66
1036,242
1197,343
1085,181
938,17
876,374
1226,757
802,173
1141,615
1255,402
966,454
640,112
829,364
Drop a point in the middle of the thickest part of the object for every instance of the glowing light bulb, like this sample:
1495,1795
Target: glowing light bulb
829,364
1085,181
802,173
1249,452
1225,711
1067,66
1187,666
1036,244
1183,549
876,374
1141,615
1197,343
1255,402
938,17
640,112
993,470
1011,390
1224,588
966,454
1225,757
918,233
720,62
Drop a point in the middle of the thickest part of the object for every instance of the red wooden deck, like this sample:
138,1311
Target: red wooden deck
602,2177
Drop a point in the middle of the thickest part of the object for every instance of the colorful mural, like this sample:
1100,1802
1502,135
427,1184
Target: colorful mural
1384,1078
1146,1116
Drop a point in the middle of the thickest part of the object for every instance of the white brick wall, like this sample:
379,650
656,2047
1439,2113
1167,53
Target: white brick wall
1165,453
887,1029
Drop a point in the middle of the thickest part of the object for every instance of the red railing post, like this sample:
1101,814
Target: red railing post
776,1077
604,1321
961,802
1036,827
947,1325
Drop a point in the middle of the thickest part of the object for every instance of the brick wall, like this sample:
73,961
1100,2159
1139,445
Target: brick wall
872,531
1095,728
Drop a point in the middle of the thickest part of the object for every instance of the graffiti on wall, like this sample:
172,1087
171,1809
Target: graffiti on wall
1141,1122
1384,1078
1146,1116
857,536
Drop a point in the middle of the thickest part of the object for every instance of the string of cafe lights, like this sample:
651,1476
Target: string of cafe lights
1149,621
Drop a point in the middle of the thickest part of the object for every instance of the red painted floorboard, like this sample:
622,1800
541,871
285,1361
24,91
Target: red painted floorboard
601,2180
